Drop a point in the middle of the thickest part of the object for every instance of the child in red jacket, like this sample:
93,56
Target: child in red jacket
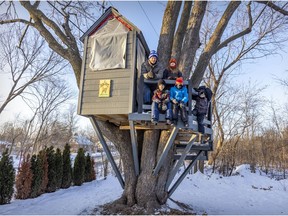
161,103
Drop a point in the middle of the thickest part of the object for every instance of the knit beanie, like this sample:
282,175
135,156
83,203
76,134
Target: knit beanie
173,63
179,80
153,53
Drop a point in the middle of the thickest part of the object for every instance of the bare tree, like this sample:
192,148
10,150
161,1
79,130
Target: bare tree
25,65
147,190
47,98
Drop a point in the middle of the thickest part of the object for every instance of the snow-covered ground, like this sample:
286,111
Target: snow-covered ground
246,193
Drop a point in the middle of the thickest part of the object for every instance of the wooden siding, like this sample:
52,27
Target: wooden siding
121,85
80,94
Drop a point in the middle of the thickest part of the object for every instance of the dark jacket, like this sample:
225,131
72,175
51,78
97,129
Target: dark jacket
202,103
168,74
156,69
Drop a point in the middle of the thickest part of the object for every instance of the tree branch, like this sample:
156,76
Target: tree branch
240,34
35,13
15,21
274,7
213,43
23,35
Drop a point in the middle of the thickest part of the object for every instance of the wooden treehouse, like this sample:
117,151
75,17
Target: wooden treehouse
111,90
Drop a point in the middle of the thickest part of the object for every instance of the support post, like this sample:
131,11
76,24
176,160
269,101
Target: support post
190,89
140,93
180,161
209,117
107,151
134,147
166,149
180,179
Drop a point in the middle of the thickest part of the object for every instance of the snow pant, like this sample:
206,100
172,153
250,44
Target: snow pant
200,120
146,94
183,113
155,111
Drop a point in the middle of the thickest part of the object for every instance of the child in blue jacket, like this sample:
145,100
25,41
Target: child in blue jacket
179,98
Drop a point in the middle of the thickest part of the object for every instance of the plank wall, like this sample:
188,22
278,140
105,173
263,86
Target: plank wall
121,85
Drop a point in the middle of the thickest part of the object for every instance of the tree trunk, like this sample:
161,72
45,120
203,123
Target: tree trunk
180,33
167,31
191,42
145,190
150,189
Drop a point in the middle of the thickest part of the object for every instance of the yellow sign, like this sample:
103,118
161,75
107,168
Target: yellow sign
104,88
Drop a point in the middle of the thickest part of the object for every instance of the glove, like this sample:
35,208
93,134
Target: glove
150,74
145,76
182,105
174,101
164,107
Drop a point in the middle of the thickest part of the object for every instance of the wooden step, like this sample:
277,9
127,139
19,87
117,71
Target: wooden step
190,157
204,147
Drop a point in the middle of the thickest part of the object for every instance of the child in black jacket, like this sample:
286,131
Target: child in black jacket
202,96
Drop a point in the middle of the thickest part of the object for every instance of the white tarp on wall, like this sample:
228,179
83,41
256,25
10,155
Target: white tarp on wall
109,46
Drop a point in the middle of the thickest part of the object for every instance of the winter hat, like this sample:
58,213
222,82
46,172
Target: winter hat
179,80
161,81
173,63
153,53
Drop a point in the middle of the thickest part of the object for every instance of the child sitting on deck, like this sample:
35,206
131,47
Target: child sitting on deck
161,103
179,98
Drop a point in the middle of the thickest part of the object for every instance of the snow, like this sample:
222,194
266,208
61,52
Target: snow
5,143
74,200
246,193
83,140
243,193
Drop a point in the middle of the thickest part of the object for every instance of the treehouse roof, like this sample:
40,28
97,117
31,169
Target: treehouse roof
111,13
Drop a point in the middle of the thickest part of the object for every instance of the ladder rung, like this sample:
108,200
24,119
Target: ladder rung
205,147
190,157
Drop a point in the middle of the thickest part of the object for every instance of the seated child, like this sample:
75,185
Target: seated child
202,96
161,103
179,98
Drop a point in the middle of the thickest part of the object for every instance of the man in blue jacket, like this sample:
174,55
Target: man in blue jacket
179,98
